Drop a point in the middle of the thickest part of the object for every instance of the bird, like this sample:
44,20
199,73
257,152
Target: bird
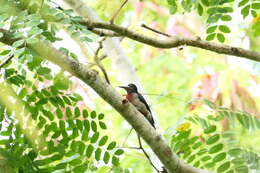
138,101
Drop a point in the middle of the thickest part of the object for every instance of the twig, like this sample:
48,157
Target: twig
117,11
98,62
147,156
132,148
127,137
154,30
7,60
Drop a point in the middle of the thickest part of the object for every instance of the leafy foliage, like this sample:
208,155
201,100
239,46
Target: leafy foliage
66,137
211,149
217,13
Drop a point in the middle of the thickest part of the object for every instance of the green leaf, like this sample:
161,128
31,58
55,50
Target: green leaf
245,11
255,5
115,161
191,158
43,71
86,125
119,152
18,43
93,126
75,162
61,166
183,135
98,154
76,112
216,148
85,113
103,141
243,119
62,124
197,145
223,167
79,124
173,6
81,168
94,138
81,147
68,112
221,37
48,114
211,29
209,165
5,52
193,139
85,135
59,113
205,2
224,28
56,134
226,18
210,129
101,116
242,3
238,161
61,82
56,157
102,125
111,146
22,93
235,152
32,40
196,164
66,100
106,157
219,157
253,13
6,133
93,114
200,9
202,151
213,139
242,169
210,37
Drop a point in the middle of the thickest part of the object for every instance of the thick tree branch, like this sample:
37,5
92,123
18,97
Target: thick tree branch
175,41
159,146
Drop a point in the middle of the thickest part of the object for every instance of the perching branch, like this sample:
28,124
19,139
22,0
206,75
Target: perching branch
159,146
175,41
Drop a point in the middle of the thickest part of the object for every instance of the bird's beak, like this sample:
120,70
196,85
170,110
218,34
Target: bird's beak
124,87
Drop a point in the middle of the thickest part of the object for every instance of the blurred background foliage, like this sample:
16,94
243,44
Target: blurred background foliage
180,83
172,78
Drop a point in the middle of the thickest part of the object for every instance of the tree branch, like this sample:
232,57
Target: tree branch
175,41
159,146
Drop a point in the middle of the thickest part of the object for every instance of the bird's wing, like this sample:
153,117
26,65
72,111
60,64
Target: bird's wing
150,119
141,98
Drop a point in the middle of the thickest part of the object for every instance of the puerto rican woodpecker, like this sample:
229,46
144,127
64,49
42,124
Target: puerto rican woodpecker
138,101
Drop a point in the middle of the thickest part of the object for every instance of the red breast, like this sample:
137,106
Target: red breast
129,97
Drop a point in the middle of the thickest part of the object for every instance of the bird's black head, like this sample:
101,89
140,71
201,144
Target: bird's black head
131,88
